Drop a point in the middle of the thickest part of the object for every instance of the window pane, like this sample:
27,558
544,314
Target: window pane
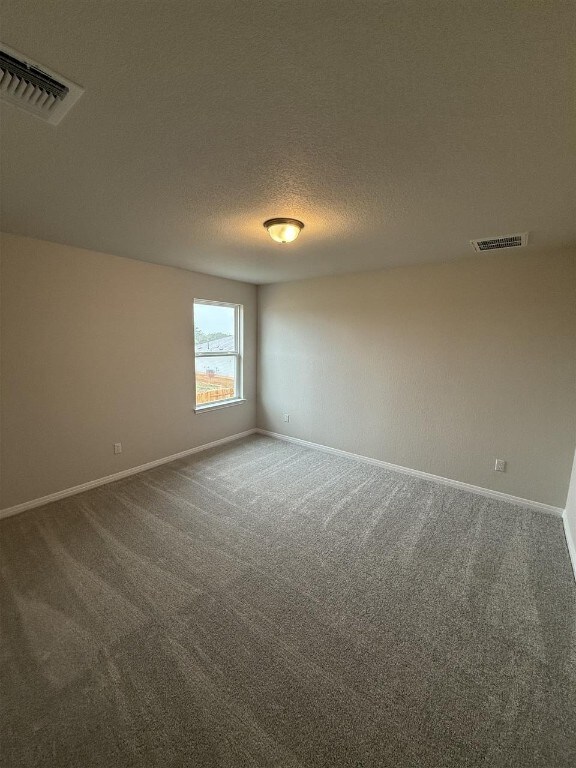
215,379
214,328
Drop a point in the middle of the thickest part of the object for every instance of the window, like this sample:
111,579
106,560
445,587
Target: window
218,350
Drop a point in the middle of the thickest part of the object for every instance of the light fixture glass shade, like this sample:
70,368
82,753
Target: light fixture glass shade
283,230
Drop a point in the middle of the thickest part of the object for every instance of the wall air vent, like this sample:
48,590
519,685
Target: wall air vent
503,241
35,89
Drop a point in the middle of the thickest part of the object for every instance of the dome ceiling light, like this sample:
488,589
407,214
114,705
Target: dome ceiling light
283,230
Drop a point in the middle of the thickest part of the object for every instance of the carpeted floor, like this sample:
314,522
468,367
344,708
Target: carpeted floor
262,604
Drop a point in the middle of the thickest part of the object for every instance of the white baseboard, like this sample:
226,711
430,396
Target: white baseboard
570,542
9,511
423,475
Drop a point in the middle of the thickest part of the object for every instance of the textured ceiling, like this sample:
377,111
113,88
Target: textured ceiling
397,131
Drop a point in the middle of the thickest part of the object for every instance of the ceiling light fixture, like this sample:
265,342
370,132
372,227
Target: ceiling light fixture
283,230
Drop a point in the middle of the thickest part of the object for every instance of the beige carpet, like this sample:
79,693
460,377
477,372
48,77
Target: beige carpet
267,605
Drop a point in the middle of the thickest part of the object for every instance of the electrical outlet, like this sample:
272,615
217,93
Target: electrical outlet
500,465
117,447
285,417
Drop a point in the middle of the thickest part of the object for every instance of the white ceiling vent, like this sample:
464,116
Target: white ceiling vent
502,241
34,88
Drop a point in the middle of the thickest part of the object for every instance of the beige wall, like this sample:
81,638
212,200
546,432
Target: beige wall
440,368
98,349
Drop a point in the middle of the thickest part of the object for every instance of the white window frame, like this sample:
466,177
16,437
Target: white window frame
237,353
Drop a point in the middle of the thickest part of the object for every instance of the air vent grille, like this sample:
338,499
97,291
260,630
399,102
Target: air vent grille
503,241
35,89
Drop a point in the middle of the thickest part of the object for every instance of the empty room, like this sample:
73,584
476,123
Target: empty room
288,384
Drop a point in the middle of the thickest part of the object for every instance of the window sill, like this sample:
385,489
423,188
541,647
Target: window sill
217,406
